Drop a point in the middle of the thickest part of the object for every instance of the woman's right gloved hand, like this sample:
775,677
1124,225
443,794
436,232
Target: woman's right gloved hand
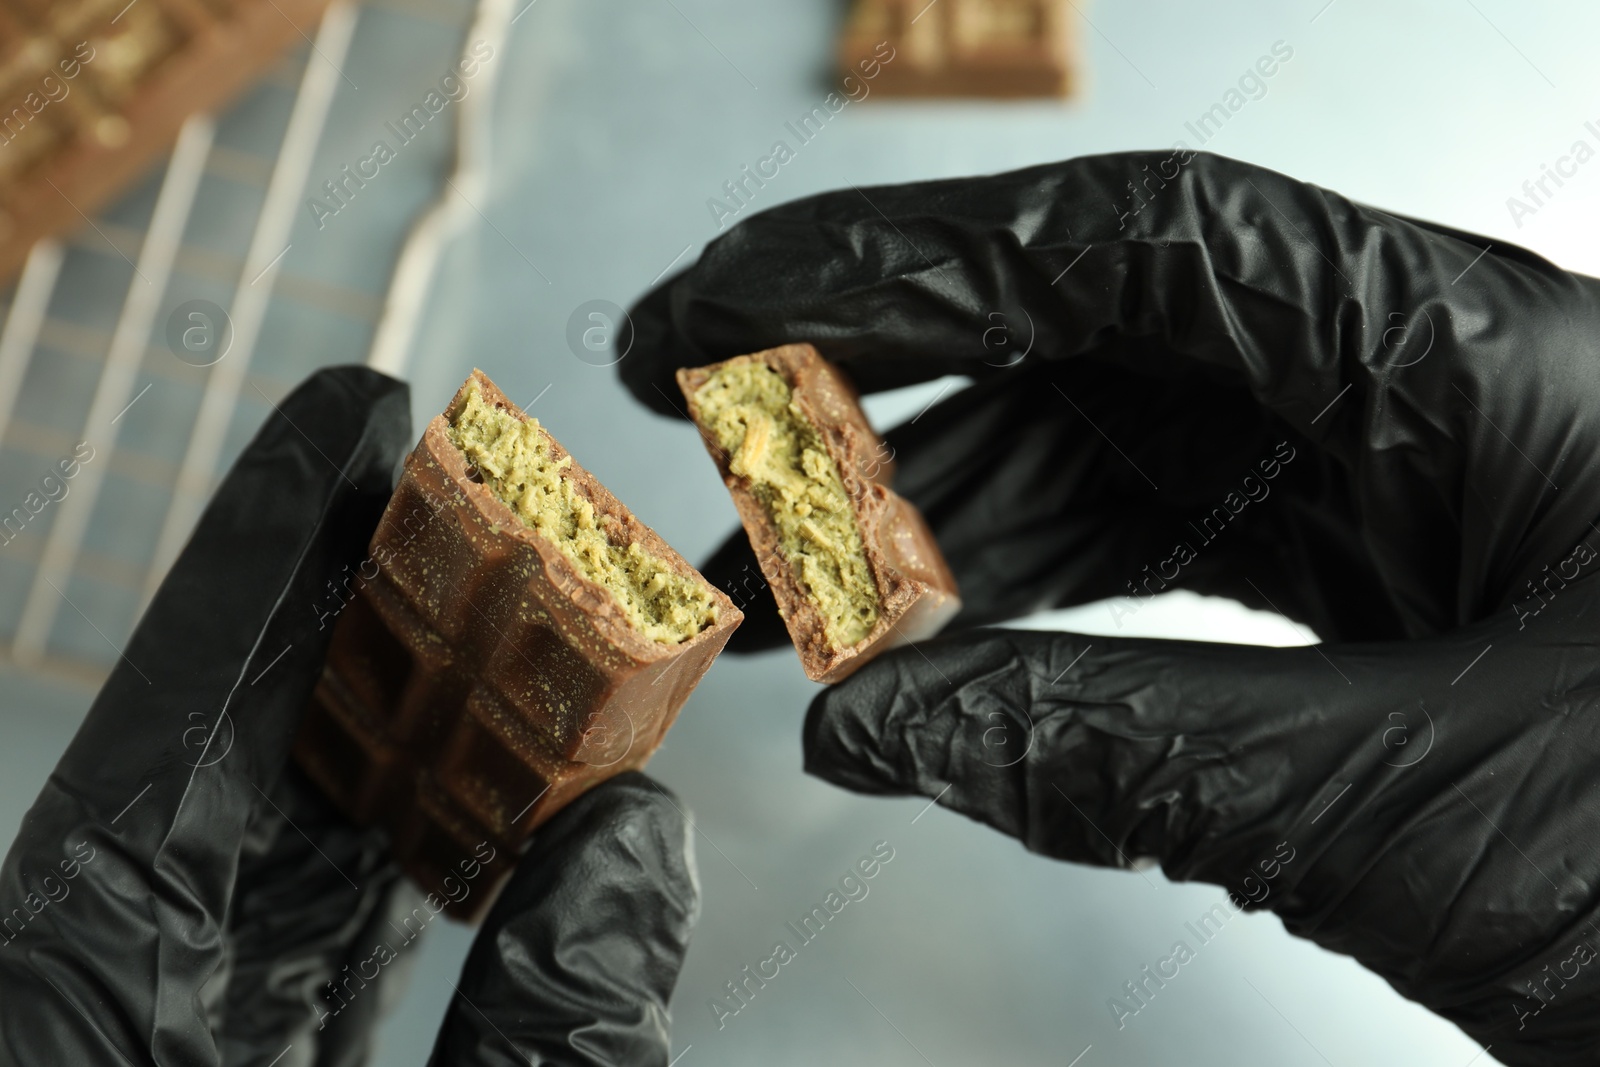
1193,373
180,893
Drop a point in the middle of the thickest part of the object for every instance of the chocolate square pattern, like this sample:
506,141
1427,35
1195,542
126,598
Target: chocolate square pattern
515,637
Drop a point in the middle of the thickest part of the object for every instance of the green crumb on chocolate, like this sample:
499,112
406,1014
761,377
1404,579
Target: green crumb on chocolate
513,458
749,409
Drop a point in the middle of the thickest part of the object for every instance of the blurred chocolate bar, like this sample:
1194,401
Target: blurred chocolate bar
975,48
515,637
92,91
853,566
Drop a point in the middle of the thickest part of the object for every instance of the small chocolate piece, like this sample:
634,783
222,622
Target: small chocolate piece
974,48
853,566
487,668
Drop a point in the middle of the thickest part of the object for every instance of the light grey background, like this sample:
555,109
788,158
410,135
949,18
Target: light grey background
615,124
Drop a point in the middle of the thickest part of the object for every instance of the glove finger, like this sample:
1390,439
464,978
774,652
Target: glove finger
1227,265
192,729
1101,750
1346,322
316,898
577,959
1434,832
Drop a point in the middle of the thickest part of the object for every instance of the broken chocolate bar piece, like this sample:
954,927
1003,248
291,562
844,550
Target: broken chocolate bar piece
853,566
515,637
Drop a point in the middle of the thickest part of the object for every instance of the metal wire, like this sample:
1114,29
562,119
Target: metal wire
254,290
23,321
455,207
38,641
114,392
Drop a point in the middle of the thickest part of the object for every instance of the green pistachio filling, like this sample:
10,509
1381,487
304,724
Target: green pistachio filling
514,460
750,411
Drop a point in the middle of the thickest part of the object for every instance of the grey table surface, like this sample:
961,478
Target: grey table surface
613,128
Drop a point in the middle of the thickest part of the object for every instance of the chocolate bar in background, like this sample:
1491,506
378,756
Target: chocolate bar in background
971,48
93,91
480,677
853,566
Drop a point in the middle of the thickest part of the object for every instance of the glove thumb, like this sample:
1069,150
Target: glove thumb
577,959
1104,751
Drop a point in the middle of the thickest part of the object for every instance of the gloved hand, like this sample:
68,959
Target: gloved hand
1213,377
180,894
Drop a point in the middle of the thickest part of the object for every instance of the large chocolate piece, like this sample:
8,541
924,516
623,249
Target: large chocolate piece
477,681
916,593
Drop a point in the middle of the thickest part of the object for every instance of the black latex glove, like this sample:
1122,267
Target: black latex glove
1401,426
179,894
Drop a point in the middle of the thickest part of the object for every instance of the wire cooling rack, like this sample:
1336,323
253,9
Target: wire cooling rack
139,353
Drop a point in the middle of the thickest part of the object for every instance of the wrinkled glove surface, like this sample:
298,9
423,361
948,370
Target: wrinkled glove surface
1188,372
180,894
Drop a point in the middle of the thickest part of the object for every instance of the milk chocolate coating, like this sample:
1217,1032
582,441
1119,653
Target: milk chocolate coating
903,53
917,593
476,682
